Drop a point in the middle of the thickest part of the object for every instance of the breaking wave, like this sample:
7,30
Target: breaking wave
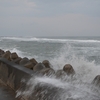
77,88
48,39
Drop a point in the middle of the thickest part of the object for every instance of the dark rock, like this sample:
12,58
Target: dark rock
96,81
47,71
46,63
13,56
38,67
68,69
46,92
1,52
60,74
29,65
17,60
33,61
24,61
7,55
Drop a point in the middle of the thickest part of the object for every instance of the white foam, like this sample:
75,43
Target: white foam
76,90
48,40
80,86
86,70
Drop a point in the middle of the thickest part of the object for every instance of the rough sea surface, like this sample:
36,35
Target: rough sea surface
83,53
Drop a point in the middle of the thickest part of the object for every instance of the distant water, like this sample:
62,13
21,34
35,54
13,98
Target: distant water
83,53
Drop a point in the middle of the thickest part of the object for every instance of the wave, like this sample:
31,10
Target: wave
79,88
59,40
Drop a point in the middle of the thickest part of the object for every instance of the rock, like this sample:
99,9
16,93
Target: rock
17,60
33,61
13,56
96,81
47,71
1,52
38,67
29,65
68,69
24,61
60,74
7,55
46,63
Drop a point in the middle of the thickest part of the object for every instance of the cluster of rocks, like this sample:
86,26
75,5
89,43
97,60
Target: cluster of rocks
42,67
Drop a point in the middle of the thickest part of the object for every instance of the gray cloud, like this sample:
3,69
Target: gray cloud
49,18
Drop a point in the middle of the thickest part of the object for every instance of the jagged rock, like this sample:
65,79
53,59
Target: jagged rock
47,71
46,63
29,65
60,73
24,61
13,56
68,69
7,55
38,67
1,52
96,81
33,61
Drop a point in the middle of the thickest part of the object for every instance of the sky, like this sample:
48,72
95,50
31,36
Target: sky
49,18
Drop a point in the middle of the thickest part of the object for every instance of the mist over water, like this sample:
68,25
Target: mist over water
82,54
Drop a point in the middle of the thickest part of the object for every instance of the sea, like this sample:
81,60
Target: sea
83,53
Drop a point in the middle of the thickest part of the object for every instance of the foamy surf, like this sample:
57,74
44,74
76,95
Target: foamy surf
49,40
65,89
59,52
77,88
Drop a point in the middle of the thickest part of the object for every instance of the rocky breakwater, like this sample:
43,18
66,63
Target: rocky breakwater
43,68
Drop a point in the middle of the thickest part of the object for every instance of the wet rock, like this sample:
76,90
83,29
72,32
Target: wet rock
29,65
17,61
1,52
33,61
7,55
47,71
38,67
24,61
96,81
46,92
60,74
68,69
13,56
46,63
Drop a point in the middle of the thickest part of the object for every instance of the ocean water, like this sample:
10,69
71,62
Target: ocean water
83,53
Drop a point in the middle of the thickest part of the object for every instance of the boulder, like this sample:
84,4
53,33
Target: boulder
29,65
1,52
60,73
47,71
46,63
96,81
13,56
38,67
17,60
68,69
33,61
24,61
7,55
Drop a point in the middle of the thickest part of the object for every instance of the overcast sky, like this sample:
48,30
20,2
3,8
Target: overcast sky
49,18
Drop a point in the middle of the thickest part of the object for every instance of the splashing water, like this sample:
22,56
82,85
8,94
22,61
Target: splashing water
78,87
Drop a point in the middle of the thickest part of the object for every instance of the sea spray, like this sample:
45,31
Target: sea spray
78,87
52,88
85,70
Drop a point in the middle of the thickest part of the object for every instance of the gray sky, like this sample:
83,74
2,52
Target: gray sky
49,17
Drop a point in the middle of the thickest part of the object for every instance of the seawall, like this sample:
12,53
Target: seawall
11,74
